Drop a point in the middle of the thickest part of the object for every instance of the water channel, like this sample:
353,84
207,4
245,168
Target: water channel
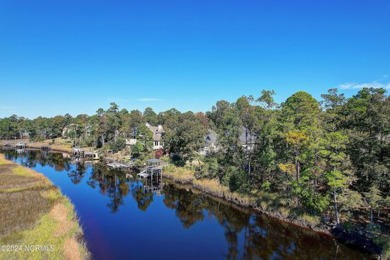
124,219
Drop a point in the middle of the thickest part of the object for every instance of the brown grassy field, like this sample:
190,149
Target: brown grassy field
37,221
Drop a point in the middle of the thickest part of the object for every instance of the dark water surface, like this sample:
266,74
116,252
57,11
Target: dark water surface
123,220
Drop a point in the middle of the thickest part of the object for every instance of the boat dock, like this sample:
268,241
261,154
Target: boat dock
154,168
20,145
119,166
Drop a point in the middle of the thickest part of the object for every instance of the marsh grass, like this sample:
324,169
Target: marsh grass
59,144
213,187
34,212
19,210
178,174
310,220
12,181
209,186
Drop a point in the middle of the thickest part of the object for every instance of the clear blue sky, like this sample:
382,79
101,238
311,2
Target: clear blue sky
67,56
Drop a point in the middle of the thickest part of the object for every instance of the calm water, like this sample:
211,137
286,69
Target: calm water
122,220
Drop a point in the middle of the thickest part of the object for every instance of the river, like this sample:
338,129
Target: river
123,219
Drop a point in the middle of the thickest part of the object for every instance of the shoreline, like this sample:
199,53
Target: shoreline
37,145
52,226
359,242
215,195
352,240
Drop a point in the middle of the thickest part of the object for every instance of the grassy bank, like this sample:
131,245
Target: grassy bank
276,207
58,144
37,221
211,187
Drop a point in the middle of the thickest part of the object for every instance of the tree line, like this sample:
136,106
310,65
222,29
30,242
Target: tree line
331,155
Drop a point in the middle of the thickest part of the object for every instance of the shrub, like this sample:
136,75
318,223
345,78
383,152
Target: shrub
118,145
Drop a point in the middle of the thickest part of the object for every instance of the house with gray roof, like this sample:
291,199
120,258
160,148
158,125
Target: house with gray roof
210,143
247,139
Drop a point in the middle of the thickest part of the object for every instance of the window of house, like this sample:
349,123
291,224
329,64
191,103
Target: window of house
156,143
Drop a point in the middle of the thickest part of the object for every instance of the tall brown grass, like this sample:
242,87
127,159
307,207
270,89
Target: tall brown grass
34,212
211,187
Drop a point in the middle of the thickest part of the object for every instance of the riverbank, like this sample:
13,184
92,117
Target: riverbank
38,222
210,187
355,239
270,205
59,144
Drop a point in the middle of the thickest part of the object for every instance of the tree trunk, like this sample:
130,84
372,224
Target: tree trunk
336,211
249,169
116,135
371,215
298,169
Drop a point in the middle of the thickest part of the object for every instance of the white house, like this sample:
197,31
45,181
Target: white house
130,142
158,132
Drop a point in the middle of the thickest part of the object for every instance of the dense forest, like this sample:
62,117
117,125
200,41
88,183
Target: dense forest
325,158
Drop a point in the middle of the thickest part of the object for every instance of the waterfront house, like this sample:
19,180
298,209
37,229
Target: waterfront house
247,139
210,144
158,132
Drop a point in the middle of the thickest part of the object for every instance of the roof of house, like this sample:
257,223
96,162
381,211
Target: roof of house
246,137
211,137
157,131
154,161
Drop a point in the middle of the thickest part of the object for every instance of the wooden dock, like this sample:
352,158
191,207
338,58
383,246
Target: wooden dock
154,168
119,166
20,145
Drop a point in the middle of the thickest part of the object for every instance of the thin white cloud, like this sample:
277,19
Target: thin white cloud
374,84
149,99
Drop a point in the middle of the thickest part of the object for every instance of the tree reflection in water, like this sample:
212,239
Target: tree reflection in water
188,206
142,196
111,184
77,173
30,158
263,237
247,235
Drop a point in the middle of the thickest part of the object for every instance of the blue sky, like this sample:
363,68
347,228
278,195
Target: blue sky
60,57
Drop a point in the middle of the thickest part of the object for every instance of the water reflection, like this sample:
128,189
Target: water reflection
30,158
111,184
263,237
245,235
143,196
77,174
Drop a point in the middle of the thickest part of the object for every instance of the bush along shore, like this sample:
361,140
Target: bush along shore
369,241
37,221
